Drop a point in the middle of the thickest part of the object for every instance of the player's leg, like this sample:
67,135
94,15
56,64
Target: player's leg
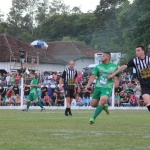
67,95
103,94
35,97
146,96
30,98
71,97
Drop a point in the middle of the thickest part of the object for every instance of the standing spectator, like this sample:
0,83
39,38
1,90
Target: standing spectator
52,82
50,90
18,77
85,75
16,89
21,57
79,77
45,79
50,76
26,91
8,79
12,80
55,75
69,79
57,90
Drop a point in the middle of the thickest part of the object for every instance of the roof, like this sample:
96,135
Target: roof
56,53
70,50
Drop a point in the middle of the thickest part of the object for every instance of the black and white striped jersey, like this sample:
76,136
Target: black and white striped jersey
142,67
69,77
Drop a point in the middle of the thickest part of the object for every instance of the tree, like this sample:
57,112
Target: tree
58,7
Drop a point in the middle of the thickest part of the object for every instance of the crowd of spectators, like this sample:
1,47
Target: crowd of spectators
127,94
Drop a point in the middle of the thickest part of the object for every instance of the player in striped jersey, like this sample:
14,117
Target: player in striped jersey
142,65
69,79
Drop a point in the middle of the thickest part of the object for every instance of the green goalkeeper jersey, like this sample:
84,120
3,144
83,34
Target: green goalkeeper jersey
33,89
102,71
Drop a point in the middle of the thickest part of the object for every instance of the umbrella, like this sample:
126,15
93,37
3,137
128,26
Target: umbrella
39,44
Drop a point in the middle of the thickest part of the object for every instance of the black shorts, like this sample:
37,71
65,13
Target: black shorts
145,90
69,93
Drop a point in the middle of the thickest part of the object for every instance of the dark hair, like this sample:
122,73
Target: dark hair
108,53
142,47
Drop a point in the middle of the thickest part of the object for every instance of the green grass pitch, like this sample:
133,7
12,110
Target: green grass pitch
51,130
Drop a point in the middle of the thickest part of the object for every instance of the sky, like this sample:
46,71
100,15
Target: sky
84,5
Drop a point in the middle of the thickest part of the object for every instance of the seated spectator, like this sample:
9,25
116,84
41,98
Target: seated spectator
54,99
79,101
18,101
47,100
12,99
133,100
57,90
7,79
125,99
117,99
60,100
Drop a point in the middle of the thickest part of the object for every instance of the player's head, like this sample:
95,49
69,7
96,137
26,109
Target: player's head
106,57
140,51
71,64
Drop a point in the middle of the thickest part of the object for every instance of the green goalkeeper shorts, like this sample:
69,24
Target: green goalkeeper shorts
99,92
32,96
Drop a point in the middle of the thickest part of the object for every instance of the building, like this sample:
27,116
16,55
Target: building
54,58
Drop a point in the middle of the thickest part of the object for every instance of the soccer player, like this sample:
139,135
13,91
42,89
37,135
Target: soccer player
103,88
142,65
33,95
69,79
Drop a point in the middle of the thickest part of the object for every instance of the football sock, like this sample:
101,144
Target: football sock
28,105
98,110
40,104
148,107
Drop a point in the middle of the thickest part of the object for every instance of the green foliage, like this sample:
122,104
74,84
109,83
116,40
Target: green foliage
69,39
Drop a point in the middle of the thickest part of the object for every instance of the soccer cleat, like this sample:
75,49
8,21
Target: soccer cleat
24,110
91,121
66,114
106,108
42,109
70,114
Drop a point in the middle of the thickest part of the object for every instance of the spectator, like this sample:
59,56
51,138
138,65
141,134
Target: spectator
57,90
3,95
79,76
47,100
12,80
50,76
55,75
133,100
79,101
45,79
50,90
60,100
117,99
43,90
26,91
53,82
12,99
85,75
21,57
8,79
54,99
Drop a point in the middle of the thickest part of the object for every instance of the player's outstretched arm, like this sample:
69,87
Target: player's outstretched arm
123,67
92,78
